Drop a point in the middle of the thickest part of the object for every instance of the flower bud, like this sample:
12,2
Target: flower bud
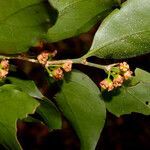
67,66
4,68
124,66
58,74
118,80
127,74
107,84
43,57
5,64
3,73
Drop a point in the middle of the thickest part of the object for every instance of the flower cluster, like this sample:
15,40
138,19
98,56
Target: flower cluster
55,69
58,71
45,56
119,74
4,68
67,66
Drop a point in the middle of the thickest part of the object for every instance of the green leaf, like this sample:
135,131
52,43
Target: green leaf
124,33
22,24
47,110
50,114
142,75
27,86
30,119
14,105
128,99
77,16
79,100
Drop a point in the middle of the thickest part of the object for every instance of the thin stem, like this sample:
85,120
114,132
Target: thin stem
49,72
59,62
109,73
19,57
103,67
82,61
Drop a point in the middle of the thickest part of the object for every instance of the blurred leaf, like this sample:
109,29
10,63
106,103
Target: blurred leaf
142,75
124,33
14,105
118,1
128,99
50,114
77,16
47,110
23,24
31,119
79,100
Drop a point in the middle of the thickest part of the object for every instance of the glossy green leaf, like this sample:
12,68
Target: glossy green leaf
79,100
22,24
77,16
14,105
128,99
47,110
124,33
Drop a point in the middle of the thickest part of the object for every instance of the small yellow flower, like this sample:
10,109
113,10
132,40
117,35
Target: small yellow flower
118,81
4,68
3,73
67,66
43,57
58,74
107,84
124,66
5,64
127,74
